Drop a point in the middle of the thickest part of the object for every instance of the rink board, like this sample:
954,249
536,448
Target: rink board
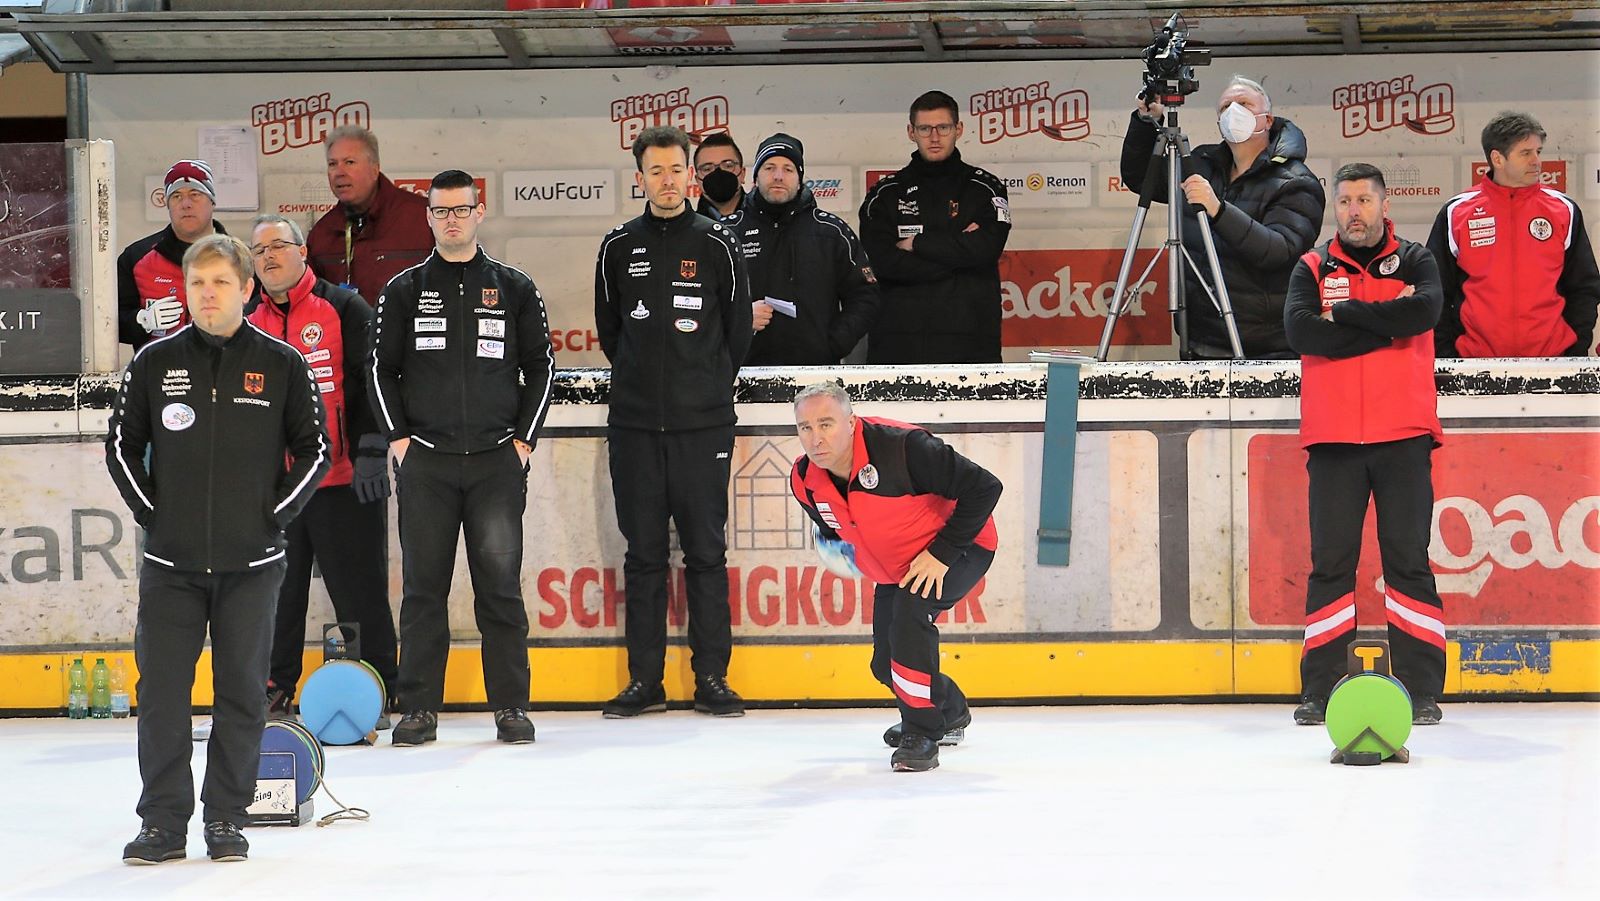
1188,554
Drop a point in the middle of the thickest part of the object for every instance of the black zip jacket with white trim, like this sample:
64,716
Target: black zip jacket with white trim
461,356
218,416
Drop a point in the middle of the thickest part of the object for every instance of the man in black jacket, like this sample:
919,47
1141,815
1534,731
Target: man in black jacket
934,232
672,308
217,405
814,292
1265,209
462,367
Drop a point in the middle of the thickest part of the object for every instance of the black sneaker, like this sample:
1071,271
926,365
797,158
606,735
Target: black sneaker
1313,711
917,752
712,695
637,698
1425,711
155,845
225,843
512,727
416,728
280,705
953,735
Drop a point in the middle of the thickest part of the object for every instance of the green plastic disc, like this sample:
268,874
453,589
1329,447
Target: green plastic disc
1369,712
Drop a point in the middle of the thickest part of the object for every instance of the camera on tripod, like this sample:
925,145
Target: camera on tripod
1169,64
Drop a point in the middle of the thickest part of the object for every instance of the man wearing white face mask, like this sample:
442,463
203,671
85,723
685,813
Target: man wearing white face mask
1265,209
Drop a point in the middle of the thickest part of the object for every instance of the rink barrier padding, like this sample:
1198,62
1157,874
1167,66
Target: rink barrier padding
1188,557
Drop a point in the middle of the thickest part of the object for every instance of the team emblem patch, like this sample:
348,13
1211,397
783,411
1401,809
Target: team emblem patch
254,383
1389,264
177,417
687,268
491,297
868,477
1540,229
955,208
311,335
866,272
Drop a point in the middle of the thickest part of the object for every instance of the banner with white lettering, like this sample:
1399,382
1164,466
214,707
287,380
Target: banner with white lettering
553,155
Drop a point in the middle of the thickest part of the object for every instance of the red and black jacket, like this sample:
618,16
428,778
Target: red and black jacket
363,253
1366,375
151,267
1519,275
908,492
329,326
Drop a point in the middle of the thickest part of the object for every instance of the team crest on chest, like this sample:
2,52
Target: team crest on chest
955,208
254,383
491,297
1388,265
868,477
311,335
1540,229
687,268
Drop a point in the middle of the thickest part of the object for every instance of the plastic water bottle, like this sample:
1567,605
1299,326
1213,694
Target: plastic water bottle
119,689
100,690
77,691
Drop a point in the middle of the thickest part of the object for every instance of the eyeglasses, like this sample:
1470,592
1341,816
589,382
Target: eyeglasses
445,212
261,250
705,169
944,130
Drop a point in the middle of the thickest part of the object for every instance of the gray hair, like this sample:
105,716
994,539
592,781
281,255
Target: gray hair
825,389
295,230
1239,81
366,137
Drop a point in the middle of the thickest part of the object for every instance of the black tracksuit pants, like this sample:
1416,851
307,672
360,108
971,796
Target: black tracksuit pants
905,646
345,538
1398,476
682,476
440,496
175,609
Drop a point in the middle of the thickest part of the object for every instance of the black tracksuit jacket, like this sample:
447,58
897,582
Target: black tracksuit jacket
672,306
218,417
461,356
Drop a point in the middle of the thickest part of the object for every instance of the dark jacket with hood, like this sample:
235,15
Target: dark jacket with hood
1270,215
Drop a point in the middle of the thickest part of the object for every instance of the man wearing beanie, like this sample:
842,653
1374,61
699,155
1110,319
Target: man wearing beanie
934,232
150,296
814,292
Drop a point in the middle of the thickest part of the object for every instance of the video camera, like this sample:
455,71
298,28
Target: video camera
1169,64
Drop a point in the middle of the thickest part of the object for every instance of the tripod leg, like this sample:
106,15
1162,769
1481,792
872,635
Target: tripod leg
1119,301
1224,305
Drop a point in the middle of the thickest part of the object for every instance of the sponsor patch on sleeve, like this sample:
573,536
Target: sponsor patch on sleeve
1002,210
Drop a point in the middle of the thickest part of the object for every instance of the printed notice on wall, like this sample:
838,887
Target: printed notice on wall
231,152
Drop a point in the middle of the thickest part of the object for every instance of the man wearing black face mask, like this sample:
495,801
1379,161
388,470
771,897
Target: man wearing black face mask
813,290
1265,209
719,166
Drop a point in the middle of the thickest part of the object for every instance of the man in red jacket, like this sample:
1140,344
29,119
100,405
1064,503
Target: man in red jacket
1519,275
376,230
151,302
918,515
1360,312
342,526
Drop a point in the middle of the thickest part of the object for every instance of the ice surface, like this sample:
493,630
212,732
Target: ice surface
1501,801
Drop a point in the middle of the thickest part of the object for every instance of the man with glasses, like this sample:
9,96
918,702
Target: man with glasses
150,292
376,229
461,366
342,526
719,165
934,232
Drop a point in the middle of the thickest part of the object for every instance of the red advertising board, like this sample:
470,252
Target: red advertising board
1516,531
420,186
1552,173
1053,298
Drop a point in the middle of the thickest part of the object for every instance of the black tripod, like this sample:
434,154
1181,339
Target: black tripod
1171,149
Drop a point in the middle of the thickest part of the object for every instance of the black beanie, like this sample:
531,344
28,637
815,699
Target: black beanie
783,145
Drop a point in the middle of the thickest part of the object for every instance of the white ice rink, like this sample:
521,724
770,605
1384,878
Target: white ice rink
1501,801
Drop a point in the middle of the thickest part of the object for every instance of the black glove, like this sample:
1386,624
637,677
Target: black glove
371,478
